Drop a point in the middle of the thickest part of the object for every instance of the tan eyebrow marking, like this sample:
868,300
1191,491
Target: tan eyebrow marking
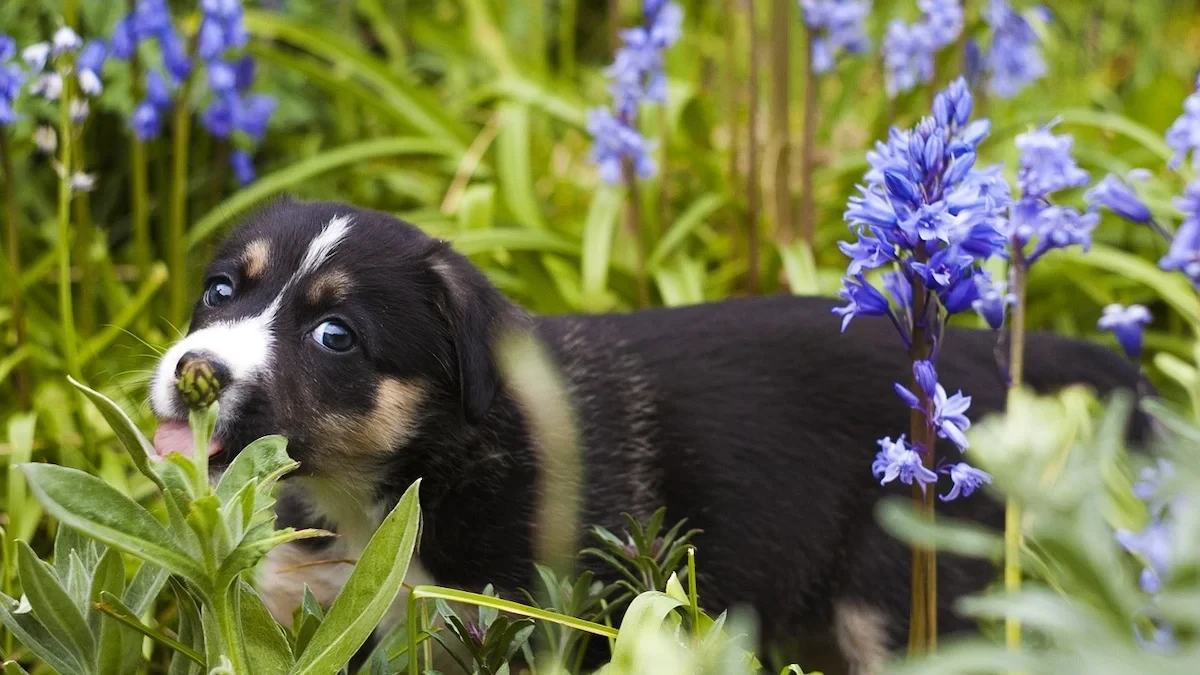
332,285
256,258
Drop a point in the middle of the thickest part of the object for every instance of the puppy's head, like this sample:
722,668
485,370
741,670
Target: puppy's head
345,330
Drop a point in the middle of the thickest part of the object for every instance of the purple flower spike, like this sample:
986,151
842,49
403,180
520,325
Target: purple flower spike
1127,324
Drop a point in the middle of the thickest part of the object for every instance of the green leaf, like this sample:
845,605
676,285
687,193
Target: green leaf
513,239
53,605
66,541
191,633
144,588
135,443
648,612
22,512
266,644
265,458
801,268
898,517
109,577
697,214
1172,288
36,638
88,503
598,232
513,165
370,590
223,214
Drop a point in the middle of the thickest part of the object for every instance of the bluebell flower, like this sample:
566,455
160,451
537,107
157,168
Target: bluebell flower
124,40
157,92
175,57
151,18
863,299
867,253
65,40
966,480
253,113
907,56
8,48
243,166
898,460
244,73
1046,163
1127,324
1015,56
993,300
220,117
146,121
210,40
837,28
1184,252
943,19
1184,133
615,142
1153,546
221,77
1161,640
1060,227
949,416
35,56
11,80
89,66
1118,196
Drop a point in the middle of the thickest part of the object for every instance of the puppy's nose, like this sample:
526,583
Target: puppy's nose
199,377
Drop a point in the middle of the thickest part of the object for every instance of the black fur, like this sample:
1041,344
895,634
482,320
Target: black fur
756,419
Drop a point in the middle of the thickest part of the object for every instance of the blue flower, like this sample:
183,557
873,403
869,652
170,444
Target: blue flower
8,48
221,77
244,73
124,40
1060,227
944,20
1153,545
253,113
1184,133
1127,324
837,28
35,56
898,460
1118,196
907,56
146,121
11,80
89,65
966,479
867,253
175,58
1046,164
949,416
1184,252
156,90
863,300
220,117
243,166
614,142
1015,57
992,301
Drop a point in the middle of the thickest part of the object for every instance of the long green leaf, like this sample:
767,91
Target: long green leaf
91,505
370,590
687,223
53,605
284,179
598,232
266,645
45,645
265,459
514,165
139,448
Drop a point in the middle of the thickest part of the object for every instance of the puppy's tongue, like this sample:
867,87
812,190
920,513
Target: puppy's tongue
177,437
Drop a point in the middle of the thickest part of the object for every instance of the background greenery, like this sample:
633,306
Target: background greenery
467,117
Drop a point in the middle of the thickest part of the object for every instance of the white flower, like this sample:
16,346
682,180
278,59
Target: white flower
23,607
82,182
66,39
79,110
35,56
48,86
46,139
90,83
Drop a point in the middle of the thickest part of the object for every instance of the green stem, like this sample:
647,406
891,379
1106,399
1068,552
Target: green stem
753,184
65,308
139,199
567,16
13,213
1012,514
780,46
808,217
176,228
923,618
225,607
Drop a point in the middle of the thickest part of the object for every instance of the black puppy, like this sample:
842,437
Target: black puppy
369,345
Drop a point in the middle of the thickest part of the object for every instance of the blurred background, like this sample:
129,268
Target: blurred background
470,118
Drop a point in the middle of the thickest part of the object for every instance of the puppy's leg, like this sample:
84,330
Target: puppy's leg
862,636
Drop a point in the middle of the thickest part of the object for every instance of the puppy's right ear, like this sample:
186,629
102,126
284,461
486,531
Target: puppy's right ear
476,313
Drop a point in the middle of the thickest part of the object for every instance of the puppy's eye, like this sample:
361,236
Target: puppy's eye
334,336
219,292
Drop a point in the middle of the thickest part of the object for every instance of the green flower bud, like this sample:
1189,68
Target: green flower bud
198,384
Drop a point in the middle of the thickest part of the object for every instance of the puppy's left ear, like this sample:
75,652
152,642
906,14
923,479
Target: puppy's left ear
477,313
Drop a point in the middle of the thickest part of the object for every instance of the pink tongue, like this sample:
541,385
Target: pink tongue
177,437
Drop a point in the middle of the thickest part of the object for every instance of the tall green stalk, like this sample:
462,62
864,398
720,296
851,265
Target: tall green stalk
177,226
781,57
922,629
1012,511
753,183
66,310
808,210
13,243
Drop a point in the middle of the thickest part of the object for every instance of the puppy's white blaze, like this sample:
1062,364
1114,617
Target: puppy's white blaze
323,245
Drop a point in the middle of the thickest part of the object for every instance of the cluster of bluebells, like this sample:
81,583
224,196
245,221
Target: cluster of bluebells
12,78
909,49
637,77
1153,543
837,28
1014,57
927,212
232,109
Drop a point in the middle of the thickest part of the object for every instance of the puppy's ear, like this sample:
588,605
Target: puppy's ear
476,313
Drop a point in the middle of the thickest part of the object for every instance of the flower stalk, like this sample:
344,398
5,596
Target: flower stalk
13,241
66,309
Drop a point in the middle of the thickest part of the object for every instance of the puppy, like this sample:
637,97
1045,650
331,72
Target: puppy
369,345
